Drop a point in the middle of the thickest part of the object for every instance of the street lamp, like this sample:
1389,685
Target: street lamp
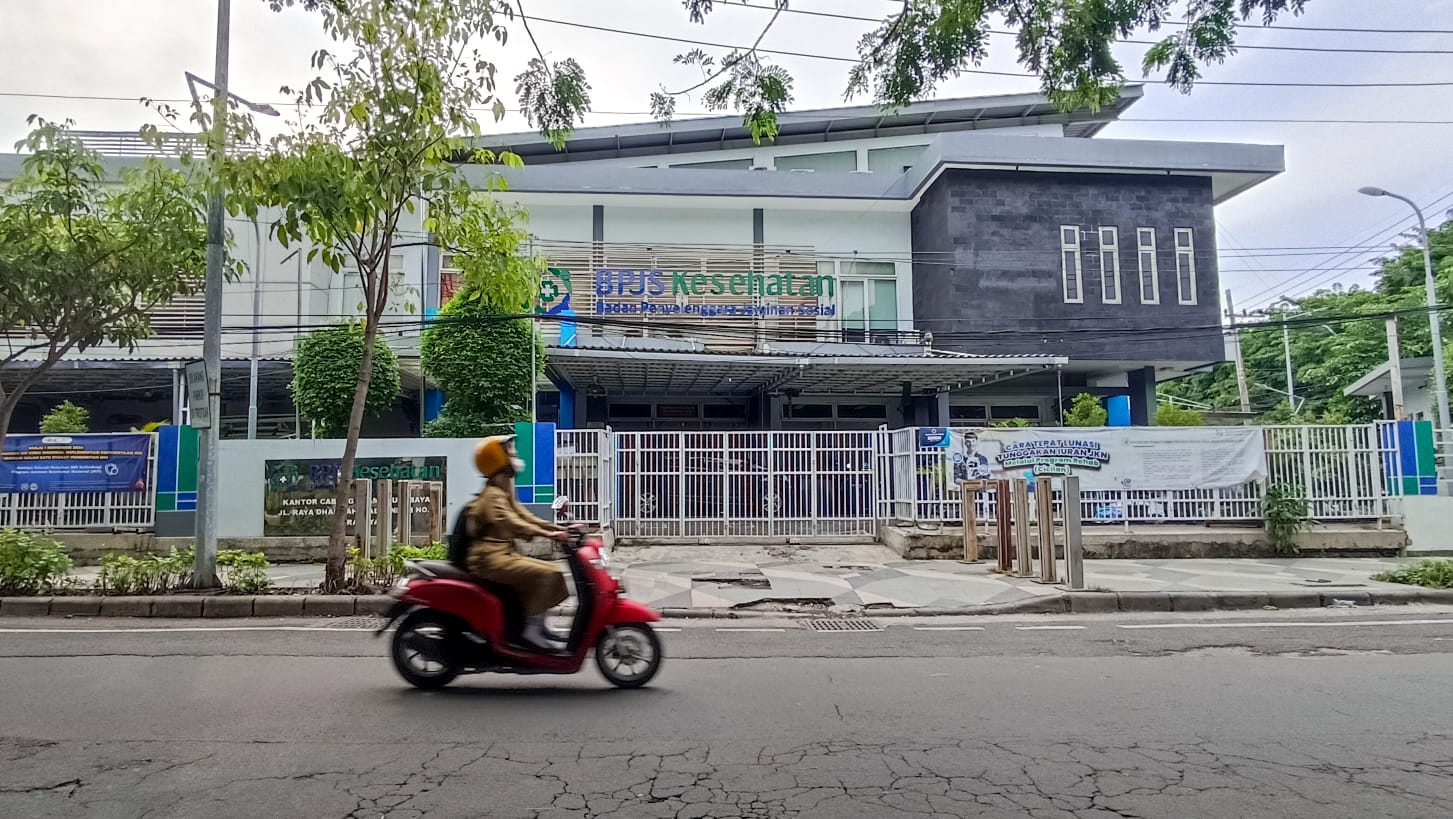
1440,373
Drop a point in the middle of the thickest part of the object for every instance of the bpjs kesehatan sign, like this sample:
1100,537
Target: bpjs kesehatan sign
1122,458
662,292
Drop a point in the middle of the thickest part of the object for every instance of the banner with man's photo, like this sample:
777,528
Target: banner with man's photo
1119,458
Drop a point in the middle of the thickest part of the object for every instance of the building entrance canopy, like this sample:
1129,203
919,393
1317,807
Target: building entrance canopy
851,370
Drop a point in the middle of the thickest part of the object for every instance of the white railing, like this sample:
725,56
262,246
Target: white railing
582,463
103,511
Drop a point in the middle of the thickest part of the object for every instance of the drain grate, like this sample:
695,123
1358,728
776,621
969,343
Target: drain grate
843,624
362,621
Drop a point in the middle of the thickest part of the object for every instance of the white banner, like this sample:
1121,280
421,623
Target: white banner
1118,458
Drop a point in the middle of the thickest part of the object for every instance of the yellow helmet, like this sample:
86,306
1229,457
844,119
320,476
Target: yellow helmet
493,455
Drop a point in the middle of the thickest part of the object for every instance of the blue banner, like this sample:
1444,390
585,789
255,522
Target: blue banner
74,463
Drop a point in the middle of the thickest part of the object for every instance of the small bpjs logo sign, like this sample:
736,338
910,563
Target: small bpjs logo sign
1056,456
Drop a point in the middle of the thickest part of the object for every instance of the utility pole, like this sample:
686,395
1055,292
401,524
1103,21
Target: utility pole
204,569
1243,390
1286,347
1395,368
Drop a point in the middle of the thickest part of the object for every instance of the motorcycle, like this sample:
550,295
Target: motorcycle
451,623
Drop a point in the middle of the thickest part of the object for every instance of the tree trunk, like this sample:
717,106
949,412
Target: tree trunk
334,571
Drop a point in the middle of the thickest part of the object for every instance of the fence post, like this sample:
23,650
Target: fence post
406,513
968,494
437,512
1021,528
363,516
1003,523
384,520
1044,498
1074,543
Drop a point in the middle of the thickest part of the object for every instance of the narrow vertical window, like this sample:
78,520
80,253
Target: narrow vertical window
1069,245
1149,276
1185,266
1110,265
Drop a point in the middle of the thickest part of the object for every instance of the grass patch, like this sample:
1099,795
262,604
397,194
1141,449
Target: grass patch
1432,573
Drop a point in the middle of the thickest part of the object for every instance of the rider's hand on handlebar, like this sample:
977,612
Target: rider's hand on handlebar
560,536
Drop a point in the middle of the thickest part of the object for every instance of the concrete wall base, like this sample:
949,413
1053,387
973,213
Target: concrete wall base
1152,543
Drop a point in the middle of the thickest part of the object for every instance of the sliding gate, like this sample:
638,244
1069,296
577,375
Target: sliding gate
744,484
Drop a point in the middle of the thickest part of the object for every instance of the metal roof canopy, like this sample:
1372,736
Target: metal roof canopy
628,372
821,125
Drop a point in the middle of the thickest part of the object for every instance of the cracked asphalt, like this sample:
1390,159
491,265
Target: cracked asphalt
1285,714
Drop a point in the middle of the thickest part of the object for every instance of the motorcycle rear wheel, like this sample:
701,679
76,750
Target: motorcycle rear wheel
423,650
629,655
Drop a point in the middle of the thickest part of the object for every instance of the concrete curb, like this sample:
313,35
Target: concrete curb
1078,602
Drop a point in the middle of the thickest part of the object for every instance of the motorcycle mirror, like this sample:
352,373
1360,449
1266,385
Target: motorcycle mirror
560,503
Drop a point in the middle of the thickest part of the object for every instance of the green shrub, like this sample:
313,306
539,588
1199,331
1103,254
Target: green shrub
1012,423
1085,411
1172,415
1433,573
149,574
66,419
1286,513
482,363
31,563
382,571
243,572
325,371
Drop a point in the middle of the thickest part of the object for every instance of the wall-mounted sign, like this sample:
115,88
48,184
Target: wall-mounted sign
626,282
74,463
298,499
199,409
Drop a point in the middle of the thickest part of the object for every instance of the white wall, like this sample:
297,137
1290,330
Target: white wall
244,472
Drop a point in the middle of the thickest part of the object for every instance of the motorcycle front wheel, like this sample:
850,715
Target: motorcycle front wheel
629,655
423,650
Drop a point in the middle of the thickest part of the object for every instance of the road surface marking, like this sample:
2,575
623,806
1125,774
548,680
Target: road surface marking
658,628
315,629
1050,628
751,629
1290,625
948,628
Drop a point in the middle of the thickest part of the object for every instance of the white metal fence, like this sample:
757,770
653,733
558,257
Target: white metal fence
102,511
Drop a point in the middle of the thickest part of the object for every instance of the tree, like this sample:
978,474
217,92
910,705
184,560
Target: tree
1066,44
1086,411
1337,336
85,260
376,145
329,357
66,418
1174,415
481,358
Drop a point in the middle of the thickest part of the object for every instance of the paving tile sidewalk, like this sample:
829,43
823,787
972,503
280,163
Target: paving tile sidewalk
855,576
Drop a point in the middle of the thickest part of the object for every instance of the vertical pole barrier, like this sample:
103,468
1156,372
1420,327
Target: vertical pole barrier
363,516
969,493
384,517
406,513
1021,528
1003,524
437,512
1044,500
1074,540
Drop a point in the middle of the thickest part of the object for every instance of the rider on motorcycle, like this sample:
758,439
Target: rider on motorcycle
496,520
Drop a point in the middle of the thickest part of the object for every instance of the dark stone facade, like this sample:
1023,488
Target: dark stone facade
987,266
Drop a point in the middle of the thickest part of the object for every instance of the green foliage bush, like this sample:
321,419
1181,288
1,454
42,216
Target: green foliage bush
482,363
1012,423
31,563
1286,513
66,418
240,572
1433,573
326,370
382,571
1174,415
1085,411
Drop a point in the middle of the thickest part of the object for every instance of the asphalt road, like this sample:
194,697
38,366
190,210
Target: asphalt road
1286,714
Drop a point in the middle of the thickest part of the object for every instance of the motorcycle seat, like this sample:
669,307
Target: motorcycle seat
444,569
507,596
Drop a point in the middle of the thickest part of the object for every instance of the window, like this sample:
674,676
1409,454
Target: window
1110,265
1185,266
1069,247
724,412
630,410
1009,412
835,162
1149,277
676,411
967,413
867,299
894,161
870,411
807,411
718,165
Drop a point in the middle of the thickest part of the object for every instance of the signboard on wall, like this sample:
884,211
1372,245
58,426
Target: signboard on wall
298,498
1178,458
74,463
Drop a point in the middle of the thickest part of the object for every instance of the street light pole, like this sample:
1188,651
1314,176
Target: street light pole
1439,370
204,569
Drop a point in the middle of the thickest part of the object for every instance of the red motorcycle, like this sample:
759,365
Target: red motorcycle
451,623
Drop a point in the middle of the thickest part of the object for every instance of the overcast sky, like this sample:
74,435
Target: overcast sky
133,48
